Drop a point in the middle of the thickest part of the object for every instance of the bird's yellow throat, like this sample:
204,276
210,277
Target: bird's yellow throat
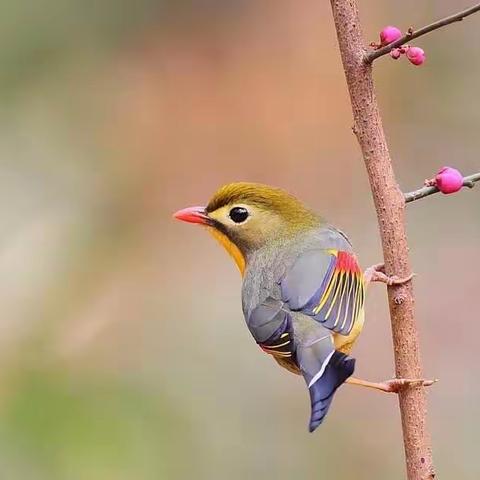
230,247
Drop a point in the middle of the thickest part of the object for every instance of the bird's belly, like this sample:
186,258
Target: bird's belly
289,364
344,343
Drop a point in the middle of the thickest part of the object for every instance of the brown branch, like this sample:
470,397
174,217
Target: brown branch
423,192
411,33
390,207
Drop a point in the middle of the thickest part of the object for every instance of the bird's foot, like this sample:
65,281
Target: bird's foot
393,385
376,273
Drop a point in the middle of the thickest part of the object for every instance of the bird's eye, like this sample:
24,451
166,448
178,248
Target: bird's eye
238,214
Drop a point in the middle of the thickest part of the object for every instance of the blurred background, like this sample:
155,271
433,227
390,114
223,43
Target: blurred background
123,349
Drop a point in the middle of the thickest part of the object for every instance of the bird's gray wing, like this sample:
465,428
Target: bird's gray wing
271,325
327,285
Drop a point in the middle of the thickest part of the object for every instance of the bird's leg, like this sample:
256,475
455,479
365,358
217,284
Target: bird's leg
393,385
376,273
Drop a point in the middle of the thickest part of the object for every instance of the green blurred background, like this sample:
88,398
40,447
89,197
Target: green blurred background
124,353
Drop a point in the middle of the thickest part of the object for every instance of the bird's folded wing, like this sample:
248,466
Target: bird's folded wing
327,285
271,326
269,320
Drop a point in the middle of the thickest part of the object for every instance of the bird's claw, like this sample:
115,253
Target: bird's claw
395,280
376,273
396,384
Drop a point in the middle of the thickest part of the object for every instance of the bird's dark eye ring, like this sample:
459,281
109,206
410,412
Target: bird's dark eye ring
238,214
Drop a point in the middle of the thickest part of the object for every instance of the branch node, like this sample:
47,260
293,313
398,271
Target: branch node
399,299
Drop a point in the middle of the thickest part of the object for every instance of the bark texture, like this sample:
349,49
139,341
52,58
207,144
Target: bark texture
390,207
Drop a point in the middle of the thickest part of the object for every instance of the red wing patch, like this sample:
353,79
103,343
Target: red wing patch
341,300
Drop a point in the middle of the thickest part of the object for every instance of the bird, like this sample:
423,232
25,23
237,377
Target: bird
303,290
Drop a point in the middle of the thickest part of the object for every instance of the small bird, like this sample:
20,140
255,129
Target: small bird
303,291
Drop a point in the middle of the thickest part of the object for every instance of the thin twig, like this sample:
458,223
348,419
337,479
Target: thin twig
468,182
390,206
411,34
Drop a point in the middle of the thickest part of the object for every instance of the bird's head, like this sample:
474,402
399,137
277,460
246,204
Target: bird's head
244,217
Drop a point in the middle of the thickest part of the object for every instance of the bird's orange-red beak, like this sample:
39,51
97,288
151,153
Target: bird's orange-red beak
193,215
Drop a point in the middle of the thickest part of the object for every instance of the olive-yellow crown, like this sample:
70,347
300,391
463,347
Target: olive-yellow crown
266,198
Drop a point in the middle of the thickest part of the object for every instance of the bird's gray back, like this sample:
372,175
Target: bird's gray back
267,266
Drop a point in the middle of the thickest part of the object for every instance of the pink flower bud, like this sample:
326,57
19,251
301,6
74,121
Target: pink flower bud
449,180
389,34
395,53
416,55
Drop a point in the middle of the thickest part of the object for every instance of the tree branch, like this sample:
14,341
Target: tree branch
426,191
390,207
411,34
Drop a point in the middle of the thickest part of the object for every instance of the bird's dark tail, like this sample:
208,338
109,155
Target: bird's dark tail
339,368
